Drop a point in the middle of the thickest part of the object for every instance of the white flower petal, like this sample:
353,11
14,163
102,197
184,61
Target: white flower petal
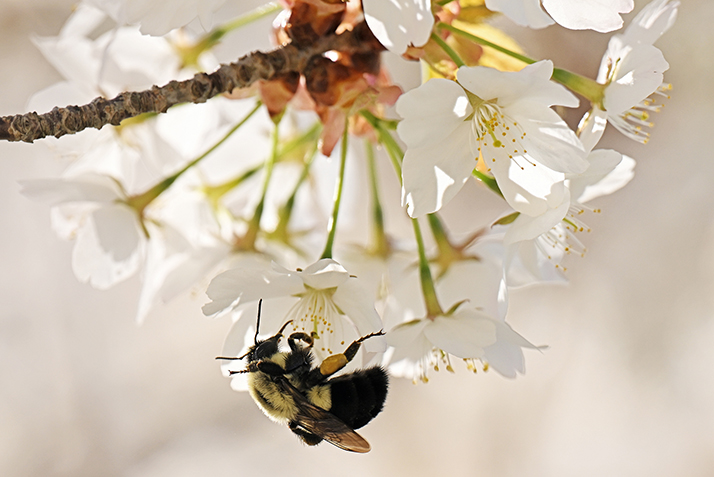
228,289
523,12
549,140
464,334
433,175
353,300
323,274
528,228
652,21
611,171
117,228
599,15
404,334
506,355
591,127
639,74
431,112
86,188
528,188
92,264
526,264
399,23
531,83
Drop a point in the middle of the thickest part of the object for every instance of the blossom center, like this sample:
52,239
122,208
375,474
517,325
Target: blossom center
496,134
316,314
635,122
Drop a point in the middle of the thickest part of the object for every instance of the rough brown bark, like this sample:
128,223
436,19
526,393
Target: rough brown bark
244,72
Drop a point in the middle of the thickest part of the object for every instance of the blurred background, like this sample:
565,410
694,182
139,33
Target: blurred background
626,387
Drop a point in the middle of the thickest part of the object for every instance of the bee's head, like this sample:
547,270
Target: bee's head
266,348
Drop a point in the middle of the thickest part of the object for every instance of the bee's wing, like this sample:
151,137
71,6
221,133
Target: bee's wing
324,424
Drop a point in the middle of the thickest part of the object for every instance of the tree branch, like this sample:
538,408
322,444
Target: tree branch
244,72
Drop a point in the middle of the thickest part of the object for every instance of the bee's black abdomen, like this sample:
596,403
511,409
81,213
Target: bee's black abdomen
358,397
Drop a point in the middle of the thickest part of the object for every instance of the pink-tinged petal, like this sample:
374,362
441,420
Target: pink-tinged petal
353,300
528,228
464,334
432,112
526,13
599,15
241,285
398,24
323,274
639,74
433,175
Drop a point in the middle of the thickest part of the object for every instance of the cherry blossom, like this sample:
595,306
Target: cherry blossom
598,15
501,119
632,71
326,300
469,334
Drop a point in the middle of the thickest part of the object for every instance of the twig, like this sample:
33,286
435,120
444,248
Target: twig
244,72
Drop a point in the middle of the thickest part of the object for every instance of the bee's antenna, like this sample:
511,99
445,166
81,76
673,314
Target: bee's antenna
284,326
257,324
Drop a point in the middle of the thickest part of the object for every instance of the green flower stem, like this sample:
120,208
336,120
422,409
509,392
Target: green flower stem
141,201
285,213
209,40
488,180
381,243
433,309
442,240
248,240
483,42
383,127
448,50
215,193
586,87
332,225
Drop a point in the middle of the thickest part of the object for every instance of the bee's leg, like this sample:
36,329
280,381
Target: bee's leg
299,336
334,363
267,367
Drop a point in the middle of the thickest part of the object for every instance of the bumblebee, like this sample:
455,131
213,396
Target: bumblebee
314,405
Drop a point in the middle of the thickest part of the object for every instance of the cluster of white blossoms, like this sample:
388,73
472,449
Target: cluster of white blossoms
263,194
